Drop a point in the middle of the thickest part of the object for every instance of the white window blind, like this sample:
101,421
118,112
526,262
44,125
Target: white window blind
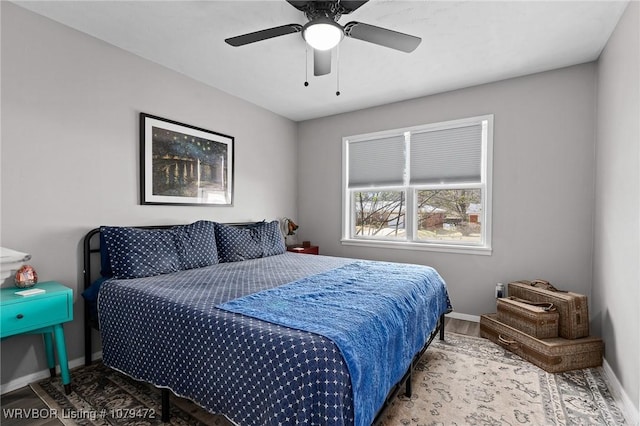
377,162
446,156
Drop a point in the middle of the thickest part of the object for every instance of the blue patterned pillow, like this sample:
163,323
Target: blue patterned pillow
196,244
237,244
260,239
272,239
136,253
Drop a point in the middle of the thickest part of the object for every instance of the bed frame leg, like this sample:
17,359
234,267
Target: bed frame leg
87,347
166,408
408,390
442,327
87,337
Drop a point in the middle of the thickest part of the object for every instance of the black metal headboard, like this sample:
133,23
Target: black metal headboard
91,247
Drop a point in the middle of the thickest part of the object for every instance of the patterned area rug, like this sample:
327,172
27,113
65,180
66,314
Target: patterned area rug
102,396
462,381
472,381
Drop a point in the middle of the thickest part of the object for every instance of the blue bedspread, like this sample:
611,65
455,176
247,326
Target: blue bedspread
168,330
379,314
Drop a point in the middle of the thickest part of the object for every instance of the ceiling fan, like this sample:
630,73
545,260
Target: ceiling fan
323,32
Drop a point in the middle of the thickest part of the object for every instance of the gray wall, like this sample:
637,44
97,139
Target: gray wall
70,107
69,162
542,172
616,274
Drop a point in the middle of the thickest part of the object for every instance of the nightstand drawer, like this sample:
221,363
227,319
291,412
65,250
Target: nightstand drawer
26,316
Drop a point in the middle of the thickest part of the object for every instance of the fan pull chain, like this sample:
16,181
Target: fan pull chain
338,70
306,65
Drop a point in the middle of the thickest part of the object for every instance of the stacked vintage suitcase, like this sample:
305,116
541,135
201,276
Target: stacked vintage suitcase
545,326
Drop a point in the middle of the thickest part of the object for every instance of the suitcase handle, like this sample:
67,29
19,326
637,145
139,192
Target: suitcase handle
545,285
507,342
548,307
547,359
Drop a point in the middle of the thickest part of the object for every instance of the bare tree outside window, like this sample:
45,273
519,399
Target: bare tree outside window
380,213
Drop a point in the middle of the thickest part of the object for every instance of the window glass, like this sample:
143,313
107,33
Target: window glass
453,215
380,214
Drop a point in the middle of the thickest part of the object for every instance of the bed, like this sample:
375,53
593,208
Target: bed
248,330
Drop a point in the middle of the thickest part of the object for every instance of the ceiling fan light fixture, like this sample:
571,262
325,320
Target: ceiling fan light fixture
322,34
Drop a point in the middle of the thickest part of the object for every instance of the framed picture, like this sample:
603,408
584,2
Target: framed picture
184,165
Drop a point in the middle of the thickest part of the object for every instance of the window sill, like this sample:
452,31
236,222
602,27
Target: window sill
406,245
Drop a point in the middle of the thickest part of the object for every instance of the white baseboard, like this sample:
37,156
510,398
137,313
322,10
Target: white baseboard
466,317
620,396
23,381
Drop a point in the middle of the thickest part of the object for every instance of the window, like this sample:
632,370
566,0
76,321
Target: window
425,187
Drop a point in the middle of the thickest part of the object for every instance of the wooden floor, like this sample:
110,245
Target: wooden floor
468,328
23,400
26,404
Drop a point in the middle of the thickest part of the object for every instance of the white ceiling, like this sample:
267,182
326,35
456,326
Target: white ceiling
464,43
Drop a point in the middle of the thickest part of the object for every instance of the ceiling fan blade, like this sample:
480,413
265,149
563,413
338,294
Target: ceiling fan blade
300,5
341,7
382,36
321,62
349,6
241,40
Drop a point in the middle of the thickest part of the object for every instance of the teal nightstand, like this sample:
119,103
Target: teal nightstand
43,314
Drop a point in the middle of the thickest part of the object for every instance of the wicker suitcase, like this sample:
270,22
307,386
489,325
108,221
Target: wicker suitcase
572,307
536,319
554,355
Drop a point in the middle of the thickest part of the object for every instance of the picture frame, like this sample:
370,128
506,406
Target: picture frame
184,165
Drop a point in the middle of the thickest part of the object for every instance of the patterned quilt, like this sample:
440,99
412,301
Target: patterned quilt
167,330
